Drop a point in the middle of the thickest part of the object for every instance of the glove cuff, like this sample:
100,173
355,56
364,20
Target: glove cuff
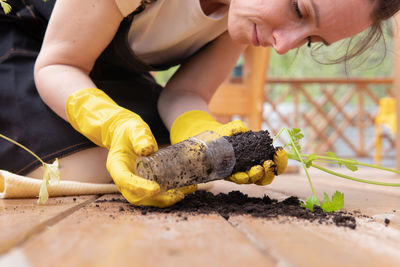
192,123
92,113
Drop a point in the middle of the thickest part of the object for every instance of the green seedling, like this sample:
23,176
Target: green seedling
51,174
311,160
50,170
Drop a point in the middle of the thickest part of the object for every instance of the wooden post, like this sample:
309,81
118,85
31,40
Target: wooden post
256,65
245,98
396,81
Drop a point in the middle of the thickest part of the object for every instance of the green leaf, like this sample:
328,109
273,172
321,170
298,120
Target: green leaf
332,155
311,202
43,193
351,167
50,170
54,172
336,203
51,176
335,157
296,136
310,159
349,164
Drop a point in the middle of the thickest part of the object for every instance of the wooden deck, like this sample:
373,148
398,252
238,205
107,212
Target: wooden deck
77,231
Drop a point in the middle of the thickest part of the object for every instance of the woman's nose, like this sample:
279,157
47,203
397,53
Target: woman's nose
287,40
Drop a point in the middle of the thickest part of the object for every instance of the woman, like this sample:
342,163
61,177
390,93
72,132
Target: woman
96,52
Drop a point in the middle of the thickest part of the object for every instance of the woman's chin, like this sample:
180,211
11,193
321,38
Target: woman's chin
238,38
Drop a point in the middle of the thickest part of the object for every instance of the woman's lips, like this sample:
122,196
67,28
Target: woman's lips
254,37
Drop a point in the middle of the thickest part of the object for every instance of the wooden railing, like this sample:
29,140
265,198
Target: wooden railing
334,114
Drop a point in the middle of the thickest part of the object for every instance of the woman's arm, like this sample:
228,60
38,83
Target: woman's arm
194,84
77,33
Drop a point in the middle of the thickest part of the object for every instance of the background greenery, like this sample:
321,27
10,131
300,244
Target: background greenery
376,62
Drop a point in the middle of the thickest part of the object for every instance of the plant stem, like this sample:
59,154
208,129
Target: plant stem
355,162
23,147
299,158
353,178
278,134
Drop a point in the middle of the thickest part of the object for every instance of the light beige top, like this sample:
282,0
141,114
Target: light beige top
168,31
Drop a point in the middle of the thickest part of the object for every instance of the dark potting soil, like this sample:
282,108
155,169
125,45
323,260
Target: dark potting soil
251,148
237,203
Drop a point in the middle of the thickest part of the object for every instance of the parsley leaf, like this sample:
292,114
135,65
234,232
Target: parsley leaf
310,159
311,202
296,136
336,203
351,166
334,156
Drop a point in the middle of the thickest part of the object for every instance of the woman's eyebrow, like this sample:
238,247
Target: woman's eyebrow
316,13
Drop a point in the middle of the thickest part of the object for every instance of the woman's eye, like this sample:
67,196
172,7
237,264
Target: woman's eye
297,9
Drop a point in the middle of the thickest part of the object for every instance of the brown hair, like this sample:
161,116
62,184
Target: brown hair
382,11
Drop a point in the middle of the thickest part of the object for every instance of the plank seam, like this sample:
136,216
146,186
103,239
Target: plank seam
38,229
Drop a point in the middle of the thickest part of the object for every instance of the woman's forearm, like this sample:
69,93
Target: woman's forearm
71,46
194,84
56,82
173,103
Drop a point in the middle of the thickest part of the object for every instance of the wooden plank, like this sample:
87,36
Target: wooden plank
300,243
22,218
304,244
111,234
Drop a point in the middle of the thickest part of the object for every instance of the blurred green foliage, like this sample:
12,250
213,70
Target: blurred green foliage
375,62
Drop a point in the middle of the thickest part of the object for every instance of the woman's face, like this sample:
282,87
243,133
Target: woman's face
288,24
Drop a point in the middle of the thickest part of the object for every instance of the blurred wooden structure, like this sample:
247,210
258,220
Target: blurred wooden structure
329,111
334,106
244,98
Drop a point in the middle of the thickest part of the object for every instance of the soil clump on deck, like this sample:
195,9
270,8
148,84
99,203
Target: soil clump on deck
237,203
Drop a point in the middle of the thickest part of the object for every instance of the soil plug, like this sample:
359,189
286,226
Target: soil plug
205,157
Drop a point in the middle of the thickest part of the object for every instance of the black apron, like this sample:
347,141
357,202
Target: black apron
25,118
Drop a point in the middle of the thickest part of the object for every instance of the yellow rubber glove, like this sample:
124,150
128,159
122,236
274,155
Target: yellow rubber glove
271,168
195,122
95,115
